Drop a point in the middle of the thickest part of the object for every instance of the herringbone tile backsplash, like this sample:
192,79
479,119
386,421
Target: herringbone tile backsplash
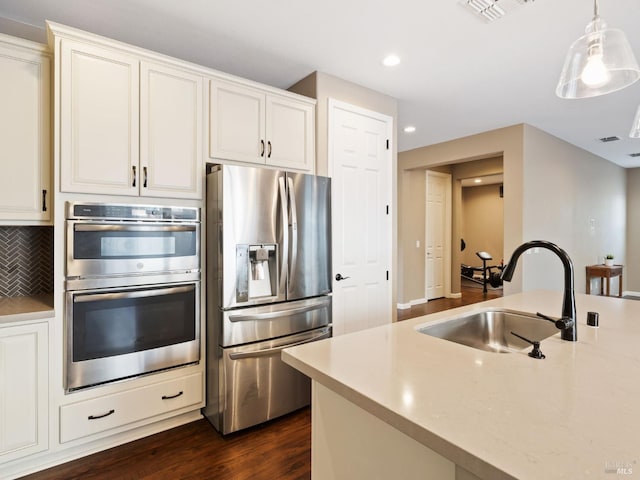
26,261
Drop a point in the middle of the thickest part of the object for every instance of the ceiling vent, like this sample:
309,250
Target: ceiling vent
634,155
490,10
609,139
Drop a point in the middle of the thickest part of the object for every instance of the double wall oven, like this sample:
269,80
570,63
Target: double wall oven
132,300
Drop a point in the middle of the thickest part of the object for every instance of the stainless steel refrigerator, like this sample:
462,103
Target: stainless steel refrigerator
268,285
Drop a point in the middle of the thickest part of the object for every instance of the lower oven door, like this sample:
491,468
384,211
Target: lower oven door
258,386
115,333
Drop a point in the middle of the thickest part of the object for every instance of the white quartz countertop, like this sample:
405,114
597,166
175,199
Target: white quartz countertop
574,415
19,309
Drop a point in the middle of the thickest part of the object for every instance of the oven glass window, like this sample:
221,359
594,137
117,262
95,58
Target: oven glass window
117,323
123,244
121,247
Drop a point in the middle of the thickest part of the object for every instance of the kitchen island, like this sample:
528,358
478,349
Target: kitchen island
392,402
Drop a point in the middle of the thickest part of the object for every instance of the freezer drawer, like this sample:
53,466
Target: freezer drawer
256,385
256,324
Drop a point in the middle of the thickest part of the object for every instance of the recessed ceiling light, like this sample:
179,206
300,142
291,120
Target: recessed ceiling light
391,61
477,180
409,129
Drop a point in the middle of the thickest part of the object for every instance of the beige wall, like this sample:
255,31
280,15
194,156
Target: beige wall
501,152
632,263
552,191
574,199
322,87
482,223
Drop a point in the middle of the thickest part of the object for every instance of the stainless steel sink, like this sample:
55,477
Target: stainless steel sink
490,330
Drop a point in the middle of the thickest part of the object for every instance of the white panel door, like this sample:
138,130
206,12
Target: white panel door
360,167
290,133
99,120
435,234
236,122
25,190
23,390
170,132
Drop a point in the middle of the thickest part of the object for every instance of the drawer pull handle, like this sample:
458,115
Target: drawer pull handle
96,417
169,397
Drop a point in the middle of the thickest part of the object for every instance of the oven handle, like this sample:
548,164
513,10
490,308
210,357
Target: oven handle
271,351
276,314
84,227
81,298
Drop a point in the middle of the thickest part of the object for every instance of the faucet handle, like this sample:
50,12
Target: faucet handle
561,323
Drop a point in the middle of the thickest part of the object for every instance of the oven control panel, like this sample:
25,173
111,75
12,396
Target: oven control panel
111,211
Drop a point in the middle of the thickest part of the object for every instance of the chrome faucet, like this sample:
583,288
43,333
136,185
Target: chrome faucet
566,324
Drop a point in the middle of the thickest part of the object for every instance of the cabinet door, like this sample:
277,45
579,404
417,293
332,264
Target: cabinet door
23,391
290,133
99,129
25,190
236,123
170,132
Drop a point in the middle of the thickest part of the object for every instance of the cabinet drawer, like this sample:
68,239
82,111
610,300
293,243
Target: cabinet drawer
111,411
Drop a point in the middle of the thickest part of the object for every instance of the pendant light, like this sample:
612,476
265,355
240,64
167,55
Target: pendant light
599,62
635,127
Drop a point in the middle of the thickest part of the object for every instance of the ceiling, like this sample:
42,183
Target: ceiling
458,76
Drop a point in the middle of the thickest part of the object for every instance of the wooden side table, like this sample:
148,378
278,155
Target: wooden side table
602,271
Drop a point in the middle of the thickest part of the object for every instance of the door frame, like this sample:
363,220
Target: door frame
447,232
332,105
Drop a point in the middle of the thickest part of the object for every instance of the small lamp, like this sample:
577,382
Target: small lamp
599,62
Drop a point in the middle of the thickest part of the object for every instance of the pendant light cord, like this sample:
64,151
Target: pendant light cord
596,13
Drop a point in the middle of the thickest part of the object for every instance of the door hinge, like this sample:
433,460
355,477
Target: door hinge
387,274
387,144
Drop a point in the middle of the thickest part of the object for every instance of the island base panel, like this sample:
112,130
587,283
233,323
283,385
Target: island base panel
348,443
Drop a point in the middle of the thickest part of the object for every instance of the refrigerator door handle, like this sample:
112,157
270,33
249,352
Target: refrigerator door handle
271,351
277,314
294,231
285,236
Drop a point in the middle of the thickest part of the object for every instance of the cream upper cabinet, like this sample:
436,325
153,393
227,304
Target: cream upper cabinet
25,191
128,126
170,132
250,125
24,390
290,133
99,126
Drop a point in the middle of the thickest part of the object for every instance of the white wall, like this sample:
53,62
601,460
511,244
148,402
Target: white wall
574,199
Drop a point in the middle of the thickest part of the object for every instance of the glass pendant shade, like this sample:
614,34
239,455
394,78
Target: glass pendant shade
635,128
599,62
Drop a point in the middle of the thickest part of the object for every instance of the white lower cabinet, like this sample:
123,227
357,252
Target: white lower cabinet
89,417
24,390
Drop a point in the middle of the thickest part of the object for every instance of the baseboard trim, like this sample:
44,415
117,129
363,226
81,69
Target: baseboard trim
405,306
454,295
630,293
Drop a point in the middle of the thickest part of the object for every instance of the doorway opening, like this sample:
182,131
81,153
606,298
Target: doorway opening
476,220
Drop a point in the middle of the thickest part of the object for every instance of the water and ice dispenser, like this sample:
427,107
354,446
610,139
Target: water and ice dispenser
257,271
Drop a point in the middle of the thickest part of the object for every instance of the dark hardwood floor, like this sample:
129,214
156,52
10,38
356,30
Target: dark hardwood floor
470,294
278,450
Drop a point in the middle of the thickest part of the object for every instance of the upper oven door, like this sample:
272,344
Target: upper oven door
124,248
